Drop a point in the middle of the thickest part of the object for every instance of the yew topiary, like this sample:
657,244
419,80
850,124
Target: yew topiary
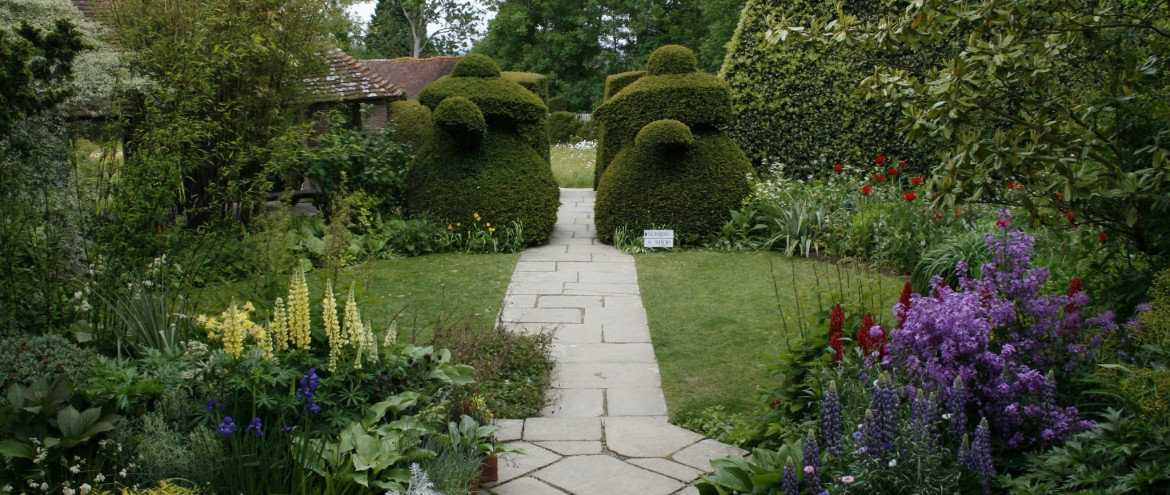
665,161
485,154
411,122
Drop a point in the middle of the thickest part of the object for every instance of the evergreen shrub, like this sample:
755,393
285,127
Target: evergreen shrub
795,106
672,166
411,122
536,83
562,127
505,178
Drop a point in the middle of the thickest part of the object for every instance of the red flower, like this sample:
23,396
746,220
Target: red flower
866,190
1059,197
904,304
916,181
880,159
1074,287
910,196
958,213
869,343
1003,223
836,325
879,177
1072,219
838,167
901,164
892,171
1102,237
1012,185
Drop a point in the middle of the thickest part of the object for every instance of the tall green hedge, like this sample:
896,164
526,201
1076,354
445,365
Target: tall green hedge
795,105
605,153
672,165
486,153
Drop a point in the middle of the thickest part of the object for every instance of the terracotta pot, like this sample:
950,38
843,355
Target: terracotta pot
490,469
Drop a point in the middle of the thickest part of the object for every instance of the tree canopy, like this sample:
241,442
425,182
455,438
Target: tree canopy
403,28
578,43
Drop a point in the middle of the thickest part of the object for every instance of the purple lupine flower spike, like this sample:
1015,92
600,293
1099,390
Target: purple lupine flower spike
812,463
788,483
831,421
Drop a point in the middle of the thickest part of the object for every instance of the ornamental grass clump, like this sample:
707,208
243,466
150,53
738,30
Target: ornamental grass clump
997,347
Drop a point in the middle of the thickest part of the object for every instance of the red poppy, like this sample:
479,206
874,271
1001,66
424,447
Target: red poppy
901,164
892,171
1059,197
880,159
879,177
910,196
1102,237
866,190
916,181
838,167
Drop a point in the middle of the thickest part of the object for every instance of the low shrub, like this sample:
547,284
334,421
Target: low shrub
25,359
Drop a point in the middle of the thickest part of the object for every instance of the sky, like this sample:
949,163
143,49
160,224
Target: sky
365,10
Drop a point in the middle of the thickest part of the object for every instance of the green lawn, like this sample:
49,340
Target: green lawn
715,320
418,289
573,164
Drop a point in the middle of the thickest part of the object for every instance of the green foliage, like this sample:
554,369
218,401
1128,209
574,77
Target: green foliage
1015,97
44,357
388,35
615,83
666,136
690,194
562,127
36,66
1122,455
536,83
408,21
672,59
476,65
1157,320
713,422
461,120
795,105
512,367
350,160
411,122
506,178
688,188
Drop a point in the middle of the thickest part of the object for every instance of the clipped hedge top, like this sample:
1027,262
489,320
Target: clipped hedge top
696,98
476,65
667,134
617,82
536,83
495,96
462,120
672,59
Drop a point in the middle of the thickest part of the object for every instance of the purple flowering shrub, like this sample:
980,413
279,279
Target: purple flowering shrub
1004,341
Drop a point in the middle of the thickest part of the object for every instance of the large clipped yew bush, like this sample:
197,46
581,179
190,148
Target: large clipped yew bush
666,162
796,105
486,154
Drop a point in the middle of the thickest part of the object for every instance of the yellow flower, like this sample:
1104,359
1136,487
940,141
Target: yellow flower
476,216
279,327
332,327
353,327
489,224
448,226
493,229
298,310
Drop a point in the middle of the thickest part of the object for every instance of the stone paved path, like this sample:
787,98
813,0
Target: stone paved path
605,432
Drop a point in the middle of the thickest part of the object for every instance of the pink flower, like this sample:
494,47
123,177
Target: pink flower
808,470
847,479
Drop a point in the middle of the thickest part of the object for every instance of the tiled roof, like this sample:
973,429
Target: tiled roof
349,80
412,74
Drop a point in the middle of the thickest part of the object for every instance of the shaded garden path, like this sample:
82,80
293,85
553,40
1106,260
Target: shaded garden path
606,430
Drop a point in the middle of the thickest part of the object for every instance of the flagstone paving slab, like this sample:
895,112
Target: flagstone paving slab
635,402
673,469
645,437
575,403
604,475
605,429
536,429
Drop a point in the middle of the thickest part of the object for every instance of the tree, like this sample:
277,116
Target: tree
1056,107
577,43
388,35
225,112
410,21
